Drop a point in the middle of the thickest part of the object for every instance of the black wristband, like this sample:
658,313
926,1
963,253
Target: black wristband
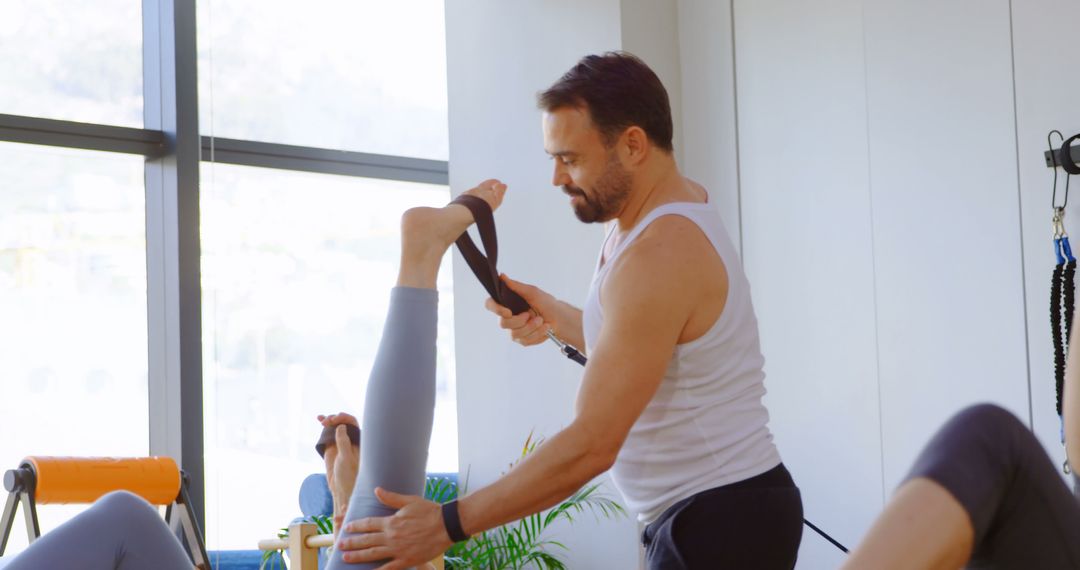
452,522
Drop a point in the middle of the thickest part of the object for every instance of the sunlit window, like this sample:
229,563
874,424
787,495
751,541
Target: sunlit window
297,271
73,300
296,267
77,61
342,74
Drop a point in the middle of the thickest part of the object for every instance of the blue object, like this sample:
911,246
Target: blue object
1067,248
315,497
242,560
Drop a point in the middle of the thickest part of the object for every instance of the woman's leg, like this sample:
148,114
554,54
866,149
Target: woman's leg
120,531
400,403
982,490
923,526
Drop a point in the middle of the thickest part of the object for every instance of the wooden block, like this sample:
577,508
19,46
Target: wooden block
300,556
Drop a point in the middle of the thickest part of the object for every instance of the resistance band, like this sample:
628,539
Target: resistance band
485,271
1062,300
1063,279
484,267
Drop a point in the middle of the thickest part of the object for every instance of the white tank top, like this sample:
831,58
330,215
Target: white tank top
706,425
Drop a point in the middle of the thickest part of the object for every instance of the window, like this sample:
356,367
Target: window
340,74
297,271
77,61
297,267
320,124
73,300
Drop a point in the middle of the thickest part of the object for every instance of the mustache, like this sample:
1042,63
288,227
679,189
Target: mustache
573,190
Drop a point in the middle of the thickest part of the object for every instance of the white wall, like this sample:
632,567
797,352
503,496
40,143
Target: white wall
807,250
1046,99
878,146
945,216
880,163
500,54
708,142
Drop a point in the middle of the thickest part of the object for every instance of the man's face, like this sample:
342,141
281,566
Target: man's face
589,172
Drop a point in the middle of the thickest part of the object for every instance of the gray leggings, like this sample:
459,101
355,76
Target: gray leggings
120,531
1023,513
399,408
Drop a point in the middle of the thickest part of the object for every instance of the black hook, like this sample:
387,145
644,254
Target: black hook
1053,156
1067,163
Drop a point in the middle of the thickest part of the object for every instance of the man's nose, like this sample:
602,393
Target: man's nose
560,177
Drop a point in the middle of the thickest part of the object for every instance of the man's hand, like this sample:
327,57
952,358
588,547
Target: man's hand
530,328
342,462
410,537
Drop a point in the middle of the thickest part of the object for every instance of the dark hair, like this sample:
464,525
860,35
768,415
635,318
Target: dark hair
618,90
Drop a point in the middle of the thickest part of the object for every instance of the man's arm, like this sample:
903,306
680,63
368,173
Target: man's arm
569,328
650,293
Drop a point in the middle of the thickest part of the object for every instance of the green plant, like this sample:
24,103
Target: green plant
440,489
274,559
522,544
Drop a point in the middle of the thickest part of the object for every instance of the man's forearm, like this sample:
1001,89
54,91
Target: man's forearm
553,472
569,328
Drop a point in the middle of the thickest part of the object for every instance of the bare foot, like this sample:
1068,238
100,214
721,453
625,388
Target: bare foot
426,234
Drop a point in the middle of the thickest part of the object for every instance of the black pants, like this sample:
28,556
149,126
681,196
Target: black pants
1023,513
756,523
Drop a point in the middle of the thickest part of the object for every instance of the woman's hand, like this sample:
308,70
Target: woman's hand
342,462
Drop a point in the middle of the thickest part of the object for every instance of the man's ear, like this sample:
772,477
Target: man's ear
636,144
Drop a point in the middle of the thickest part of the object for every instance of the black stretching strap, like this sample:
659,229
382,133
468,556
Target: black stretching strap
329,437
488,275
485,271
484,267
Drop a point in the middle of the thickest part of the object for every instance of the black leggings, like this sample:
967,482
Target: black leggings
1023,513
756,523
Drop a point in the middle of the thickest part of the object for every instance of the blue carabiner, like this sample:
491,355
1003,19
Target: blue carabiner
1067,248
1057,251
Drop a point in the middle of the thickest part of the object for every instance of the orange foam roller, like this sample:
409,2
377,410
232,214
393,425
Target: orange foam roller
86,479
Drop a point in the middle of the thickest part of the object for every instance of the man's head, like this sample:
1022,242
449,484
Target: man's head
603,120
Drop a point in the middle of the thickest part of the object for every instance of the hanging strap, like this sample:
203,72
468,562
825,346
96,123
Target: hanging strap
485,271
1062,300
1055,326
484,266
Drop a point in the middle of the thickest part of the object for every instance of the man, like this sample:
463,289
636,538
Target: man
671,395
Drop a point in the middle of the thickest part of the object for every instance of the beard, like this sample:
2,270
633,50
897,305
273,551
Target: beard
608,197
